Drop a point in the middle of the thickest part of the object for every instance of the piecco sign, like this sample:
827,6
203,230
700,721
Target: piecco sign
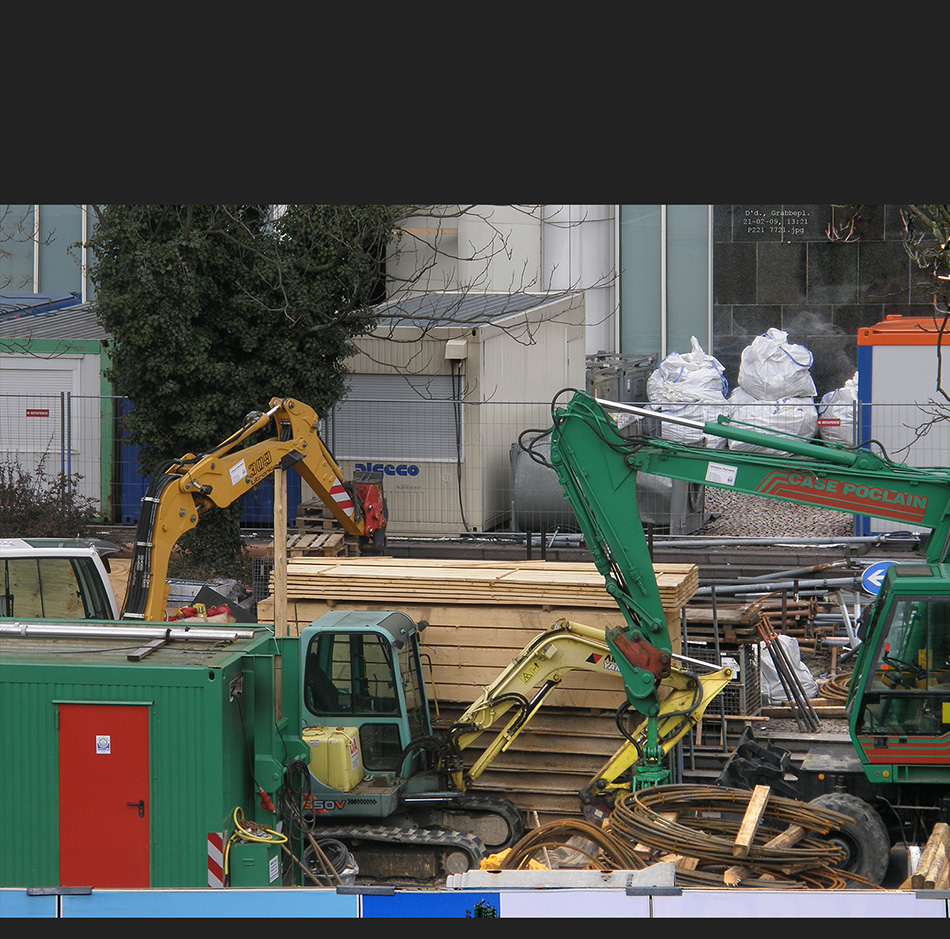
389,469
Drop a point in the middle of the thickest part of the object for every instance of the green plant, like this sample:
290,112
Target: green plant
214,549
40,504
482,908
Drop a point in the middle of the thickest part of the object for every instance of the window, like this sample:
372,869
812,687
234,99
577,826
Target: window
349,677
53,588
665,264
909,689
396,417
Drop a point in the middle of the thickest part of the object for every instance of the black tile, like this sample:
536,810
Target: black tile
832,272
884,274
753,320
734,274
781,273
850,318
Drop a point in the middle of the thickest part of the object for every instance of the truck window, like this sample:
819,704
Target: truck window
53,588
908,690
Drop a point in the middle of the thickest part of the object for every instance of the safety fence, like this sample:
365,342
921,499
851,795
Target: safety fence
551,903
448,467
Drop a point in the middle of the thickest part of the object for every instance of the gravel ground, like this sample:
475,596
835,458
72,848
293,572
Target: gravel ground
743,515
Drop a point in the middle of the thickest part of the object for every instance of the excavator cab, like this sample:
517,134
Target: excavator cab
900,706
362,670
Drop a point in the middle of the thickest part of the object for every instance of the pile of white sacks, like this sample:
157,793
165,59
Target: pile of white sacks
775,392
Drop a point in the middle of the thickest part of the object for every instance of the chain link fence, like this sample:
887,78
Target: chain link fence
448,467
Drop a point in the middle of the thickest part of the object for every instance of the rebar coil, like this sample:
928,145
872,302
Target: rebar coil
611,852
836,688
707,820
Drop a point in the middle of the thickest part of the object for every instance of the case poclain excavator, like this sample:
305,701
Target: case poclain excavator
899,696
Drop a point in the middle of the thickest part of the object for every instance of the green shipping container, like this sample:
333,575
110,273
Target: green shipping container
129,761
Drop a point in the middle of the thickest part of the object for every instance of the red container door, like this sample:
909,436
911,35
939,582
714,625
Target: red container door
103,795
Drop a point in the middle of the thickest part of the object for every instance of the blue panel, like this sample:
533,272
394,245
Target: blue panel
15,903
132,485
222,903
454,904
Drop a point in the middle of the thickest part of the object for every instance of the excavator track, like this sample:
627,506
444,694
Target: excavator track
497,823
416,855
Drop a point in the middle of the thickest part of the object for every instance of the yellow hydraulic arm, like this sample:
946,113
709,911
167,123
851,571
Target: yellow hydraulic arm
184,489
538,669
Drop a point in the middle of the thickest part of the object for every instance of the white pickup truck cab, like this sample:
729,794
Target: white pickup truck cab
56,578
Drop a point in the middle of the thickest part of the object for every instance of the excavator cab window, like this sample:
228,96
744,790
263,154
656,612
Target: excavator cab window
350,678
908,687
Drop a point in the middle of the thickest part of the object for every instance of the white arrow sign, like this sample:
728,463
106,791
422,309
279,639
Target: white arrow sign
873,578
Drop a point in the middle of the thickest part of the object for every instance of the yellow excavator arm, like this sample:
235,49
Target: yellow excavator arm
518,692
180,492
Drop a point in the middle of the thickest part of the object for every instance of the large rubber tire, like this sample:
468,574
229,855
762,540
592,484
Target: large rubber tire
866,841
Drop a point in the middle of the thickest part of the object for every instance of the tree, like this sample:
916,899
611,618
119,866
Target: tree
216,309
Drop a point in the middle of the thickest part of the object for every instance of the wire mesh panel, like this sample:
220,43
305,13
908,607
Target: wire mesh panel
743,695
448,467
48,436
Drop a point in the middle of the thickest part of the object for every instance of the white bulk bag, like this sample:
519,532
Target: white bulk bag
771,368
773,691
691,386
836,413
797,416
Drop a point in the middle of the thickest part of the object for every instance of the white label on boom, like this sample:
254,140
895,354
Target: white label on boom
238,472
721,474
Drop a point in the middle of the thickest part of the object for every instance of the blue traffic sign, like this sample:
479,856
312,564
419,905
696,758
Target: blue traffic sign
873,577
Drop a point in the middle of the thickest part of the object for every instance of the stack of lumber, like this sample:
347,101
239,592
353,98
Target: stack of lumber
481,614
531,583
737,621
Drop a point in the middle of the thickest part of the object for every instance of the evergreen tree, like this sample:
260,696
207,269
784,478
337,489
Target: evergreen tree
215,309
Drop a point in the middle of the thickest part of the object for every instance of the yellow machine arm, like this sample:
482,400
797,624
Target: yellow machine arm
539,668
188,487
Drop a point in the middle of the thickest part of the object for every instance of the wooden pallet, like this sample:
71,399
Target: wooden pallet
319,535
315,517
327,544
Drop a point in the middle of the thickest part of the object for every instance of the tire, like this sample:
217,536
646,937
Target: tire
865,841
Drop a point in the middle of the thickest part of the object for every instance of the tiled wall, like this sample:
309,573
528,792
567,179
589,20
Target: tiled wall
775,266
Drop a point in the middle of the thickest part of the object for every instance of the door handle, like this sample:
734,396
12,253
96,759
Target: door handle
141,806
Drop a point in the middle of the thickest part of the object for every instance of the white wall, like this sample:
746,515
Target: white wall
511,248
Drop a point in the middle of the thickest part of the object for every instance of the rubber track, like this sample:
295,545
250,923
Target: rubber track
487,805
428,837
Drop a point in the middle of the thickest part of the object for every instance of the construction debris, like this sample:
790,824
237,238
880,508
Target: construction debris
779,843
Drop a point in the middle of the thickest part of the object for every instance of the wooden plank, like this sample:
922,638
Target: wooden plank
750,821
931,856
788,838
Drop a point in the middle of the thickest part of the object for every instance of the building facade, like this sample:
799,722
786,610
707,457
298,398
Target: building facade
653,276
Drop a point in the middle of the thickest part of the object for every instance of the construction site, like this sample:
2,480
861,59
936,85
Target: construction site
721,721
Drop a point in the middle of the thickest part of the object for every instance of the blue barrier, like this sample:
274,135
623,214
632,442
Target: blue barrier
315,902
